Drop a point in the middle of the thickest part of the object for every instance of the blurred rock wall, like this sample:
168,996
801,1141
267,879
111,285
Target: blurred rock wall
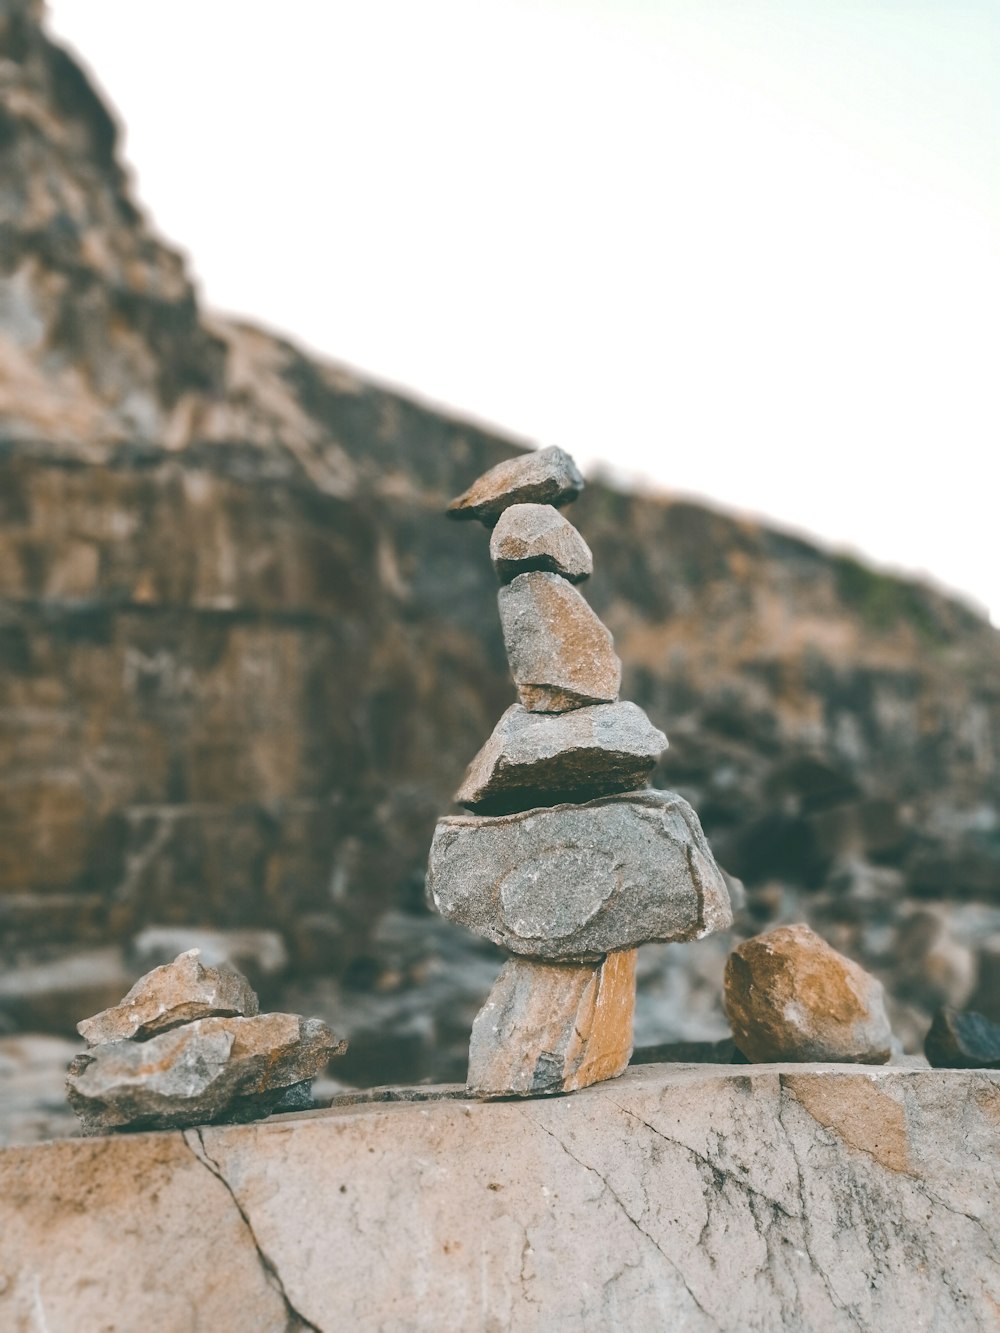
244,659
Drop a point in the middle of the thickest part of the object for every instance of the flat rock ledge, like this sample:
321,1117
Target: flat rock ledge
683,1197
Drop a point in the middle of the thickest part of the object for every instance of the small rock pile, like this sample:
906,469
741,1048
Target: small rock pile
187,1046
568,860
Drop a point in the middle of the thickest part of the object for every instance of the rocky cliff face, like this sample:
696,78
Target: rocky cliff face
243,659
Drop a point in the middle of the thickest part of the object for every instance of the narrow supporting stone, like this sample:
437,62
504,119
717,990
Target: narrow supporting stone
549,1028
535,759
547,476
535,536
561,655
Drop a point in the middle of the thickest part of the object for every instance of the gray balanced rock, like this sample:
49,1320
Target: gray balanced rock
548,758
171,995
959,1040
537,536
578,881
561,655
547,476
209,1070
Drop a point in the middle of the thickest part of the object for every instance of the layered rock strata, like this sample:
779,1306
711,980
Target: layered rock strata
568,862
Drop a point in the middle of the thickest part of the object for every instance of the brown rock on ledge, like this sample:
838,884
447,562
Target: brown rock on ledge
549,1028
790,997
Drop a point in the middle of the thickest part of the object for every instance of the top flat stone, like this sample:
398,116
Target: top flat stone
179,992
548,476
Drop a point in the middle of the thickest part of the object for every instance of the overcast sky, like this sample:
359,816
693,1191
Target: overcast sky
745,249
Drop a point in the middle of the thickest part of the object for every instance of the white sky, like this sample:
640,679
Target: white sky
746,249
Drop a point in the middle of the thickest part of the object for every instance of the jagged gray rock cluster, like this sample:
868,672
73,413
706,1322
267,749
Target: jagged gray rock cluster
566,859
187,1046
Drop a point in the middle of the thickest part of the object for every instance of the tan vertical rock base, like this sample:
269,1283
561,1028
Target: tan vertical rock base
553,1027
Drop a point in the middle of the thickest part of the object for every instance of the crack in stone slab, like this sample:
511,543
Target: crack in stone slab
296,1320
718,1172
609,1189
807,1238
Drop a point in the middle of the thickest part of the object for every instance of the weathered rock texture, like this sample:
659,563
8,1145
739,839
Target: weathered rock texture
209,541
548,476
545,758
789,996
694,1199
962,1041
530,537
175,993
576,881
210,1069
561,655
553,1027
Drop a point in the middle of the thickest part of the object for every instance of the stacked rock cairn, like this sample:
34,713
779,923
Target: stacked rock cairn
189,1046
569,860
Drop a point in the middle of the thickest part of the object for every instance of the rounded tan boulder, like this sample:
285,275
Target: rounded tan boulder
791,997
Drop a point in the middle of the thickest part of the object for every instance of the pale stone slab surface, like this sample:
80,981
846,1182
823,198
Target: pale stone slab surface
178,992
234,1068
535,536
553,1027
545,476
684,1198
790,996
548,758
577,881
561,656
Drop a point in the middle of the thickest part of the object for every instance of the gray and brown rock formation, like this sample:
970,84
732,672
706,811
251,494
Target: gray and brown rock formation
569,862
186,1046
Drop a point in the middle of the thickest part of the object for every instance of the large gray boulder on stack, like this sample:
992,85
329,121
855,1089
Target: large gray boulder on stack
209,1070
536,536
548,476
791,997
578,881
553,1027
549,758
561,655
176,993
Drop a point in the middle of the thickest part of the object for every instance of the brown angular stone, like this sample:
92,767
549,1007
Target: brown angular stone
535,759
176,993
534,536
790,997
549,1028
561,655
211,1069
545,476
579,881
